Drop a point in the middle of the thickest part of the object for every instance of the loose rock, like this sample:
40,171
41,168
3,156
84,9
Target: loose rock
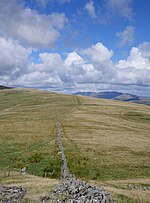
11,194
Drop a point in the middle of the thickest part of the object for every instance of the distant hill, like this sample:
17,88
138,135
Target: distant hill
4,87
116,96
110,95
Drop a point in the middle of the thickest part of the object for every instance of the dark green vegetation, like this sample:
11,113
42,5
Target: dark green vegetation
137,116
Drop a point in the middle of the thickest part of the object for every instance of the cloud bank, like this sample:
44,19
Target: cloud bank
92,67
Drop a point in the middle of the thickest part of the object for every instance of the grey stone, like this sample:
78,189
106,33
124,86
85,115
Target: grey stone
11,194
73,190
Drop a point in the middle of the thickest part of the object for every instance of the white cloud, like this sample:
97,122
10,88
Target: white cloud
74,67
136,68
73,59
98,53
14,58
92,75
89,7
145,50
135,60
28,26
50,62
126,36
92,67
38,80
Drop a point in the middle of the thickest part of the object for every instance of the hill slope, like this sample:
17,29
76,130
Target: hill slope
27,128
100,138
4,87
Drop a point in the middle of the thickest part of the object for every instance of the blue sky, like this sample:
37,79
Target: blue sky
72,45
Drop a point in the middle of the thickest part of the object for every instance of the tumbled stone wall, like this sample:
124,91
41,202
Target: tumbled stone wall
73,190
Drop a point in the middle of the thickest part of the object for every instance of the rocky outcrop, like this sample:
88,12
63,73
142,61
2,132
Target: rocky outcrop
73,190
11,194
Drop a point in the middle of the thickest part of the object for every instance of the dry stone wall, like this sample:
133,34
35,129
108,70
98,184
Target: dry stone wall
70,190
73,190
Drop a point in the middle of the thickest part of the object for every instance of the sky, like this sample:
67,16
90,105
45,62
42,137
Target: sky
76,45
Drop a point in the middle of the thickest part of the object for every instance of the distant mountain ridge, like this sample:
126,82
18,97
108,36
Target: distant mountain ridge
116,96
4,87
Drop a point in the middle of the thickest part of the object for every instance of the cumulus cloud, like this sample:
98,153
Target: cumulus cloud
126,36
28,26
98,52
89,7
136,68
91,67
14,58
73,59
136,59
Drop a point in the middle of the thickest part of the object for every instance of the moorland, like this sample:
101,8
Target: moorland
106,142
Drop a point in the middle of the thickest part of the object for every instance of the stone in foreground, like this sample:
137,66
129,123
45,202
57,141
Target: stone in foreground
72,190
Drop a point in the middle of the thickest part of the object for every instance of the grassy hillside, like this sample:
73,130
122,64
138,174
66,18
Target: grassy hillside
27,129
109,141
106,142
111,138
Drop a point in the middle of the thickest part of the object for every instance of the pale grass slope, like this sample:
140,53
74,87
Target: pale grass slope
35,186
115,139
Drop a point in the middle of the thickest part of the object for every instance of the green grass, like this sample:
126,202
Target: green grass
137,116
28,131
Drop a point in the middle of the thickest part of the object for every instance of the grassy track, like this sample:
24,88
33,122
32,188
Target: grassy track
106,142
